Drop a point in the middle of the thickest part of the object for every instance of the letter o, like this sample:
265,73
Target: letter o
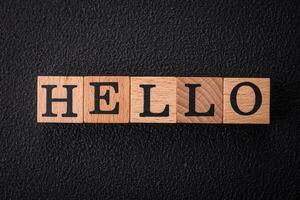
258,98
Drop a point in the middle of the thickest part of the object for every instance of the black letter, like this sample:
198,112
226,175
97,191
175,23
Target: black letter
192,96
69,101
258,98
97,109
147,112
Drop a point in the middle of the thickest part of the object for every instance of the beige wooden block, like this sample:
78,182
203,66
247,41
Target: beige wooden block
199,100
106,99
252,97
162,99
52,95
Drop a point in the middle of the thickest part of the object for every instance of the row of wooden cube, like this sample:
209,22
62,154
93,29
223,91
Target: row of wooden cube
211,94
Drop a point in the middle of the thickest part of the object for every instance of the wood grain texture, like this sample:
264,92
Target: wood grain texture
164,93
210,92
59,92
122,97
246,100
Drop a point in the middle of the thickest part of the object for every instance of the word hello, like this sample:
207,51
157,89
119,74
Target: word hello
124,99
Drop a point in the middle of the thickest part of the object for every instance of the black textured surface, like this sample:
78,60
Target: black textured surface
216,38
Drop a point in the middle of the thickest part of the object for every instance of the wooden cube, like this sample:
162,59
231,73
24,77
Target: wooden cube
246,101
153,100
106,99
60,99
199,100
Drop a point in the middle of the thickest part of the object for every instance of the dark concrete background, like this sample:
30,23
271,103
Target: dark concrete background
145,161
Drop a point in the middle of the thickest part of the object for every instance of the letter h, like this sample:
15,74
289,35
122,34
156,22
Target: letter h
50,100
